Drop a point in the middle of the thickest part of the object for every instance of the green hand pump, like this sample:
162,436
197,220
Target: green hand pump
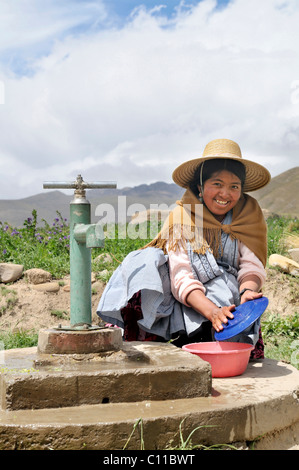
83,237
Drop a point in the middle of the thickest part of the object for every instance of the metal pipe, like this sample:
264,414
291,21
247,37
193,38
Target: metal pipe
80,269
74,185
83,236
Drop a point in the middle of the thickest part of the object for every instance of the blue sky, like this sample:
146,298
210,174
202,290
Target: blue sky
127,90
60,19
123,8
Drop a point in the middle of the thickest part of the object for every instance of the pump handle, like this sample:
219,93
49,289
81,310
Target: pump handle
78,184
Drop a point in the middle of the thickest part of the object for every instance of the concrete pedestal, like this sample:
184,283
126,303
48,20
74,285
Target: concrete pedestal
67,341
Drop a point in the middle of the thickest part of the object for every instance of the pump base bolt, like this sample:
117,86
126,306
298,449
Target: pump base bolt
53,341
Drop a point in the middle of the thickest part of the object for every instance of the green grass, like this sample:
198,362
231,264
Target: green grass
281,334
281,338
278,229
19,339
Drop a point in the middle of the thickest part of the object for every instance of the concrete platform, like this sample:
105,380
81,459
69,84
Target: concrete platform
138,371
259,408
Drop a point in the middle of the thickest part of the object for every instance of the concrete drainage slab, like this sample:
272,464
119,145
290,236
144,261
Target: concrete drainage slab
138,371
260,408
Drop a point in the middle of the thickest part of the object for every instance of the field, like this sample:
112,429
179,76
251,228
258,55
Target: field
24,310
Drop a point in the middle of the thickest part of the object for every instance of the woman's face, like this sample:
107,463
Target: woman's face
221,192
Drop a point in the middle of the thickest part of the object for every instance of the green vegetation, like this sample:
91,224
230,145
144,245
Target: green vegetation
19,339
281,338
181,442
279,229
281,334
47,247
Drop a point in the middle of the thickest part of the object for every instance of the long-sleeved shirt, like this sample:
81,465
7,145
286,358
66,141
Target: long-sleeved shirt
183,281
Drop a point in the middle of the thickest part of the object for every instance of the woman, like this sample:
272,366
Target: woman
208,258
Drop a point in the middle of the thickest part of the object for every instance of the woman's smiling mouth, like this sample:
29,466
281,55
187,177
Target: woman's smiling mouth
222,203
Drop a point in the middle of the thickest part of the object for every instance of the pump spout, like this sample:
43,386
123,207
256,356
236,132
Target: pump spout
91,235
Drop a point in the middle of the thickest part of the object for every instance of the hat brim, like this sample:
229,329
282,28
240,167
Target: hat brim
257,176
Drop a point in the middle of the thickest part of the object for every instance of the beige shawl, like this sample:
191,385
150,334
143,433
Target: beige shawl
191,221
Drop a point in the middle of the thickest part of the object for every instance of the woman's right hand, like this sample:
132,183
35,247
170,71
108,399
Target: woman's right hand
218,316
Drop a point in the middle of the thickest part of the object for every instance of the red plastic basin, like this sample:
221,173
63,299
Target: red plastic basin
226,359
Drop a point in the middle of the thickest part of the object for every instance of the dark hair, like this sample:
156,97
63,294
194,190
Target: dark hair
215,165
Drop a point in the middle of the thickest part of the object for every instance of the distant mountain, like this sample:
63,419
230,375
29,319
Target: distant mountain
122,202
15,211
280,197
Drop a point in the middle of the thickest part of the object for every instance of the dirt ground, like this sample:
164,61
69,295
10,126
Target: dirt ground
22,307
30,309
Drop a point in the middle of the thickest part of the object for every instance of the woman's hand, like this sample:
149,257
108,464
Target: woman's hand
218,316
253,284
250,295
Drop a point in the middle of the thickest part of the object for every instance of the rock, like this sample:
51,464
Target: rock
66,288
10,272
287,265
104,258
294,254
47,287
37,276
98,287
103,274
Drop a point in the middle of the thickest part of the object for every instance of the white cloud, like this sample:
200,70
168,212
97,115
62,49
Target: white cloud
131,103
29,22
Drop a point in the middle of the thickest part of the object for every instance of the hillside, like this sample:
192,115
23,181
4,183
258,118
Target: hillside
15,211
280,197
47,203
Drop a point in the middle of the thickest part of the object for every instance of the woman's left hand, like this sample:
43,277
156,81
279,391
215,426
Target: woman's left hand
250,295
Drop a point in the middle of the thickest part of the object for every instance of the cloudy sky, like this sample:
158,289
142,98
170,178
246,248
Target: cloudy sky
123,90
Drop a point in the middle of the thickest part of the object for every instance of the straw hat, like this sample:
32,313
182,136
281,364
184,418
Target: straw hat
257,176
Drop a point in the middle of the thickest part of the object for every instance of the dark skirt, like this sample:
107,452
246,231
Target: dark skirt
132,332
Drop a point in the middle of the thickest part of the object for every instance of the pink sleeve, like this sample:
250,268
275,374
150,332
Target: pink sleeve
181,275
250,264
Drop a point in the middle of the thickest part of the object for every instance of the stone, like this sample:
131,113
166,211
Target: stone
104,258
294,254
103,274
37,276
47,287
287,265
10,272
